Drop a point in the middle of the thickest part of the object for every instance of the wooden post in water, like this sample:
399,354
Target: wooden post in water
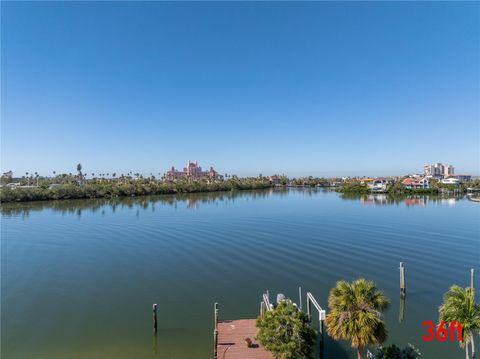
155,318
215,331
300,297
472,275
402,280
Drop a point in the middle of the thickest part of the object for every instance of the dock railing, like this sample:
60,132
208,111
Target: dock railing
265,305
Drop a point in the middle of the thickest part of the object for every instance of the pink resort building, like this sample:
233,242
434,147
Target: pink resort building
192,171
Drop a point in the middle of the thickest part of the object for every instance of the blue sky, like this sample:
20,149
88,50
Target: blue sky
297,88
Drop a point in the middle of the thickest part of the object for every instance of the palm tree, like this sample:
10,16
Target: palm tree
356,314
459,306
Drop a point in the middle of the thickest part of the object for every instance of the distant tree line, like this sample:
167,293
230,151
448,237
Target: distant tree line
311,182
33,187
74,187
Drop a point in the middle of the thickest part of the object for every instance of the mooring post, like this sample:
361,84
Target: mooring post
300,296
261,309
402,280
215,331
472,275
154,318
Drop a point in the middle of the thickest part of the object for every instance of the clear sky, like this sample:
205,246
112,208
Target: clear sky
297,88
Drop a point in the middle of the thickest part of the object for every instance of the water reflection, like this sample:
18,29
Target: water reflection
401,315
407,200
110,268
194,200
76,206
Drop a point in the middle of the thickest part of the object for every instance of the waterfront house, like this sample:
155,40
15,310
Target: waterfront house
275,180
378,185
414,183
366,180
462,178
451,181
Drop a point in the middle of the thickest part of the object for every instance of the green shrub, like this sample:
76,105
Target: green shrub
286,333
394,352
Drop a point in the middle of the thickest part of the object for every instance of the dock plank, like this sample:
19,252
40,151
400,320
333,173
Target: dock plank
231,340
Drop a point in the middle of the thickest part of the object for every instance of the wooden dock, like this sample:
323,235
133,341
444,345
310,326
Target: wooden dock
231,340
229,336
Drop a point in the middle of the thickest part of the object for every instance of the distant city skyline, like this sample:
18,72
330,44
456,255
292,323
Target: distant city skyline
308,88
193,169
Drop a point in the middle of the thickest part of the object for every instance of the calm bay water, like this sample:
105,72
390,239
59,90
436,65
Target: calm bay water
79,277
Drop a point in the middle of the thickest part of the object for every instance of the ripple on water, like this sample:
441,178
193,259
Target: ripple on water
111,263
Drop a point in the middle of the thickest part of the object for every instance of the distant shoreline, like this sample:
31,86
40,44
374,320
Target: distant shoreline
129,187
115,189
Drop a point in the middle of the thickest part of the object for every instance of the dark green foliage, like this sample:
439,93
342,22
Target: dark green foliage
286,333
70,188
394,352
310,182
354,187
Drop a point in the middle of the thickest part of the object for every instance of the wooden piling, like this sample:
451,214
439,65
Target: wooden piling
155,318
300,297
402,280
472,275
215,332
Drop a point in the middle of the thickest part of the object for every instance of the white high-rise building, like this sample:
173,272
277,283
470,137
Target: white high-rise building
438,170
